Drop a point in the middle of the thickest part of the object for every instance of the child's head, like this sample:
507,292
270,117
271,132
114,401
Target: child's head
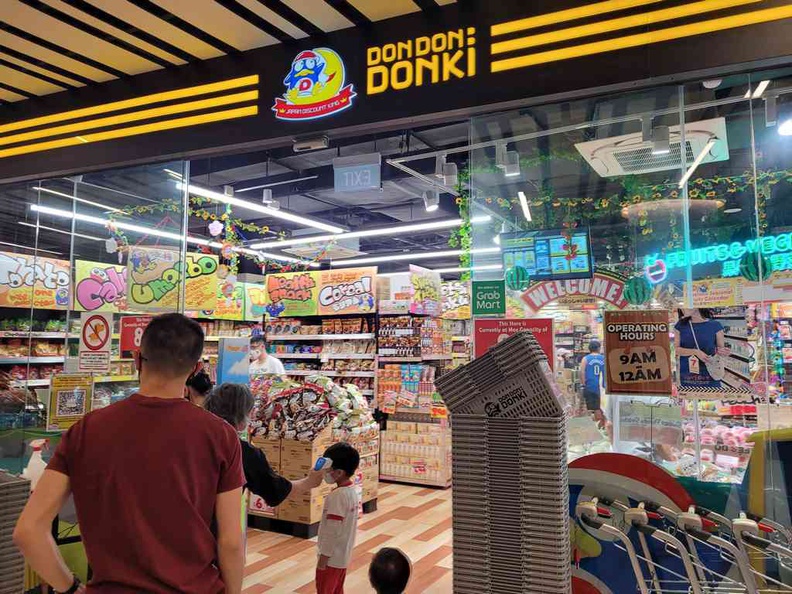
345,461
232,402
390,571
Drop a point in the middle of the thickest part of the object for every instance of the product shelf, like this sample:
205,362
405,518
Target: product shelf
323,356
22,334
330,373
369,336
24,360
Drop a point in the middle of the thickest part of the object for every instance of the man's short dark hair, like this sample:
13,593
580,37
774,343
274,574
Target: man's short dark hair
232,402
344,456
594,346
200,382
389,571
171,345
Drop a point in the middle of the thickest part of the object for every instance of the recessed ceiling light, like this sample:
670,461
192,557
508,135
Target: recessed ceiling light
732,210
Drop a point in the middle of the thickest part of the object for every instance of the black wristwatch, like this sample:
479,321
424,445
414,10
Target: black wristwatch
74,587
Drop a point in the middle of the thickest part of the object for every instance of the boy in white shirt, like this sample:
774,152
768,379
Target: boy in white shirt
338,527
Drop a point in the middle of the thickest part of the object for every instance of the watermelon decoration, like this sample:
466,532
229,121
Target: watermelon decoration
749,266
637,290
517,278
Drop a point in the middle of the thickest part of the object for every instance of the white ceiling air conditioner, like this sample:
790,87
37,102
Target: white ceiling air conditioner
631,155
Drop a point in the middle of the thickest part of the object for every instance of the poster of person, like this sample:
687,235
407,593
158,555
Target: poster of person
637,352
714,353
70,400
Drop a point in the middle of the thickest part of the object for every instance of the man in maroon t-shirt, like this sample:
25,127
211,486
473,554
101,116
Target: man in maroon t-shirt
149,476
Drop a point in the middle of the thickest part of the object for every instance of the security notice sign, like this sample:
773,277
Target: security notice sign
95,339
637,352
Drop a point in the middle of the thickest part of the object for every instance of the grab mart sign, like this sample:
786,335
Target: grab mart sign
489,298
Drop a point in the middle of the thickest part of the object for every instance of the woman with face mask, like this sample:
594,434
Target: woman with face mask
697,338
234,403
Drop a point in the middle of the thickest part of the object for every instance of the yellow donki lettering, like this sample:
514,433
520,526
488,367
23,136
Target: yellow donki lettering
445,56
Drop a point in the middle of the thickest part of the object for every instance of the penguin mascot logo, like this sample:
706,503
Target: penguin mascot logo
315,87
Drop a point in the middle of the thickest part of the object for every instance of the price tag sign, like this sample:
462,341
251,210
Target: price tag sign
260,507
132,328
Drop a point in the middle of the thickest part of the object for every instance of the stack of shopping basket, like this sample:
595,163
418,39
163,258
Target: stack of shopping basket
511,498
14,494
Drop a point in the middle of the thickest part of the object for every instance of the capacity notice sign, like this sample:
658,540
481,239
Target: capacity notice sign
637,352
488,333
132,328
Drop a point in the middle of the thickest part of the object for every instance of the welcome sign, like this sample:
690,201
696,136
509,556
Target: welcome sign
606,286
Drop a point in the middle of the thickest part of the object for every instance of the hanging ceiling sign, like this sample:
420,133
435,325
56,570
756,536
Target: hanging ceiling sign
32,281
603,285
357,173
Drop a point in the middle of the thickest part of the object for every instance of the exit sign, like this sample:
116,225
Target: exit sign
357,173
489,298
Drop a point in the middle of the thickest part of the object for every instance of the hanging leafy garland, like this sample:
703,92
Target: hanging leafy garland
232,242
461,237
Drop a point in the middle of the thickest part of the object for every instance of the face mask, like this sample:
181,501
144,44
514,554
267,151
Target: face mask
330,477
254,355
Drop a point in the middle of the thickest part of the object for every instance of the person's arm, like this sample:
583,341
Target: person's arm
33,532
230,542
583,370
304,485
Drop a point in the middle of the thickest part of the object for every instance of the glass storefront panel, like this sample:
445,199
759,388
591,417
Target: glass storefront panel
68,247
597,209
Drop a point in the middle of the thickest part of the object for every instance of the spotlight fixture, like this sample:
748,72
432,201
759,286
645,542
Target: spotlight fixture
447,172
431,199
266,196
771,111
506,160
660,141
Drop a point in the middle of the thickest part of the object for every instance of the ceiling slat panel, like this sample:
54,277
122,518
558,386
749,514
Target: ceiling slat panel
27,83
51,57
219,22
377,11
9,96
34,68
273,18
156,26
445,2
320,14
123,35
35,22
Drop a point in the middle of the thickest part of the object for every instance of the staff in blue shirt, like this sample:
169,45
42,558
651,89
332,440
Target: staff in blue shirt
592,373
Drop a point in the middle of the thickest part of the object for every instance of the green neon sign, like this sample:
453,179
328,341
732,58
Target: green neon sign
777,247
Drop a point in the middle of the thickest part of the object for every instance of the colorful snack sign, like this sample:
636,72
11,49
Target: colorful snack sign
425,291
488,333
31,281
718,292
100,287
637,352
350,291
256,301
230,302
293,294
456,300
154,277
70,400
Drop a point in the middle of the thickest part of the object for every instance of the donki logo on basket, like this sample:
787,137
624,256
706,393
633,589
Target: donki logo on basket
315,87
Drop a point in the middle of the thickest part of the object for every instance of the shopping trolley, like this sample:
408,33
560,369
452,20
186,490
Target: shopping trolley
760,549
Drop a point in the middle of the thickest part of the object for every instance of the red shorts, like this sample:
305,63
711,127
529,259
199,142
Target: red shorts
330,580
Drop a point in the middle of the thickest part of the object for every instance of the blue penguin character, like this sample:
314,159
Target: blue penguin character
307,75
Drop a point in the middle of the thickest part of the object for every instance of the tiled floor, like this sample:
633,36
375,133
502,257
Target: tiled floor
416,520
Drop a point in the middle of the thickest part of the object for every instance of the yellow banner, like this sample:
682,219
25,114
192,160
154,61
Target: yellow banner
256,301
30,281
154,280
718,292
230,302
100,287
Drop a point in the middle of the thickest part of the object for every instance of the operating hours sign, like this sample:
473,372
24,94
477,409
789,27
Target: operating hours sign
96,335
637,352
